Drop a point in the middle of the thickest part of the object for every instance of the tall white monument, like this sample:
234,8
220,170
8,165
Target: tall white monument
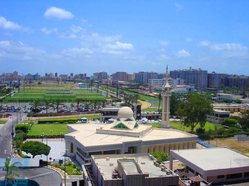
166,93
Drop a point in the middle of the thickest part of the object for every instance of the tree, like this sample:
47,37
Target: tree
10,177
47,104
160,155
78,101
57,103
173,104
195,111
244,120
159,101
35,148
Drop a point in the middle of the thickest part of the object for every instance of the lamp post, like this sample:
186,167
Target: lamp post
65,178
61,135
42,135
51,132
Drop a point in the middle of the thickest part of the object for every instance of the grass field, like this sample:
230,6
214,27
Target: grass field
152,109
3,121
233,144
154,125
52,92
37,129
208,126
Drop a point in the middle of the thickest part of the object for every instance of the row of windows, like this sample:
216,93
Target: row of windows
233,176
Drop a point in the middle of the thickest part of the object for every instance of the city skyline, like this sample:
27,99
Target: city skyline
142,36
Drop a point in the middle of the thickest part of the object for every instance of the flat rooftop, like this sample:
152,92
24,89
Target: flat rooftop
87,136
145,162
214,158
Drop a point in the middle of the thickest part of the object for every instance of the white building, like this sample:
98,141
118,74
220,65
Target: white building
128,170
222,96
215,165
124,135
218,116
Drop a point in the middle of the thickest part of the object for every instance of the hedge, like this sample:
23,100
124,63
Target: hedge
22,127
45,136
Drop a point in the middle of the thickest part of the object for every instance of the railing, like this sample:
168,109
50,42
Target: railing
204,144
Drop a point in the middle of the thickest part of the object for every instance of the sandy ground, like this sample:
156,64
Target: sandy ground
144,104
233,144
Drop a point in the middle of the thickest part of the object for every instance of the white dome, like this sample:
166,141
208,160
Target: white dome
125,112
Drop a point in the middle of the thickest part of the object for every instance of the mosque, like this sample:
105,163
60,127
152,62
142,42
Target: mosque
125,135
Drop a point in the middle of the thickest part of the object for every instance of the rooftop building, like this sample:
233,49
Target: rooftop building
129,170
215,165
124,135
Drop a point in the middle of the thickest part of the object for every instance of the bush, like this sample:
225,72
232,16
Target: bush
22,127
230,122
200,131
163,155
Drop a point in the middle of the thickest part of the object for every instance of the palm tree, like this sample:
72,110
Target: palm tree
58,102
159,100
47,104
78,101
10,177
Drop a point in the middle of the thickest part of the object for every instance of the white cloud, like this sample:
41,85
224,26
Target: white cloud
86,22
58,13
77,29
188,39
163,43
182,54
46,31
162,50
205,43
77,52
70,36
178,7
9,25
19,51
105,38
163,57
227,50
120,46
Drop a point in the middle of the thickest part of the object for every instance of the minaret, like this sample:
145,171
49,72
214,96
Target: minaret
166,93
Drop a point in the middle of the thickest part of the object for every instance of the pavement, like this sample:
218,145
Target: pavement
5,134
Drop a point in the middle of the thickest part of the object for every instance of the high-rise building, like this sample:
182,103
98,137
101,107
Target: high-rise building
197,77
120,76
56,74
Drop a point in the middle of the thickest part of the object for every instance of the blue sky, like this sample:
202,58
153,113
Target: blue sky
91,36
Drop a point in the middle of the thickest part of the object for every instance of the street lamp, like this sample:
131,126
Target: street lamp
51,132
61,135
42,135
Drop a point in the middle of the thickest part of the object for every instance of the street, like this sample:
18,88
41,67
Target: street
5,134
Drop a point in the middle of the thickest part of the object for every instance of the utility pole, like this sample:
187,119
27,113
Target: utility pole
107,89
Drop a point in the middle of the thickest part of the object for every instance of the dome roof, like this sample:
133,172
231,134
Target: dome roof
125,112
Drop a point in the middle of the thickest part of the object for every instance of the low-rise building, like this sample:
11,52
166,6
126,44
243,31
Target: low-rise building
82,85
216,165
221,96
128,170
218,116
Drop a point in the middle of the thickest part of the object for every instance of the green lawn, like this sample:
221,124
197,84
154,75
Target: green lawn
152,109
57,129
3,121
154,125
208,126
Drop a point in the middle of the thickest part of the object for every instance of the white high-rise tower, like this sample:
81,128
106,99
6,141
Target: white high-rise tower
166,93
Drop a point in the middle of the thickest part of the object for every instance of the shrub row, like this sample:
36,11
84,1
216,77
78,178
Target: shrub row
45,136
23,127
57,121
61,114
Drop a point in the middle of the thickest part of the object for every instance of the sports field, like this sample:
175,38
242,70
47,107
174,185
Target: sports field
37,129
54,91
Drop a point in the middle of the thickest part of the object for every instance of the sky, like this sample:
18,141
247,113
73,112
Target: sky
92,36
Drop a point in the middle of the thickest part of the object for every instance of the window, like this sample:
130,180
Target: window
128,119
234,176
136,125
120,126
220,176
246,174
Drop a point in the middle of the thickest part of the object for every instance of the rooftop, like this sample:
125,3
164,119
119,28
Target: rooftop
145,162
214,158
86,134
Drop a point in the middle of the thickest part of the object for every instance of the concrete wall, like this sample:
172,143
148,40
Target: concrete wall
166,181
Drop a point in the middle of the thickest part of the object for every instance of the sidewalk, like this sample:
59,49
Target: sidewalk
64,175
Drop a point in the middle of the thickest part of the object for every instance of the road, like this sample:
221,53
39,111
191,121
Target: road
5,134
